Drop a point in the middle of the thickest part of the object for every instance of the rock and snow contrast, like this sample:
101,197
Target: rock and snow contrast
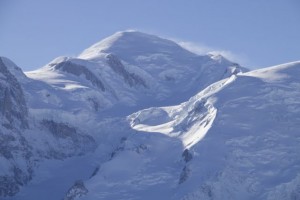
138,117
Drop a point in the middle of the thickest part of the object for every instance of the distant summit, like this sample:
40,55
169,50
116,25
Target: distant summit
129,44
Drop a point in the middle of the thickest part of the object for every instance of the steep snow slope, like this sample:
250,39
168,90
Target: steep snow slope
237,139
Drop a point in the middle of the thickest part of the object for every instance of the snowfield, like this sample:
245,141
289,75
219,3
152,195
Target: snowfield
138,117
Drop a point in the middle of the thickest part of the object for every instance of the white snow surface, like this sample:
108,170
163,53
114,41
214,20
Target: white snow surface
168,124
243,133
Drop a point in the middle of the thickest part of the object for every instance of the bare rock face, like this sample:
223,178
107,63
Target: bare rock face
78,70
76,191
187,156
79,143
14,119
10,184
130,78
13,109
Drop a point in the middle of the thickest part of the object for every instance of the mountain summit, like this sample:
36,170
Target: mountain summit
130,44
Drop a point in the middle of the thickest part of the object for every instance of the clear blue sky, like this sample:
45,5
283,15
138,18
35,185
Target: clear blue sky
256,33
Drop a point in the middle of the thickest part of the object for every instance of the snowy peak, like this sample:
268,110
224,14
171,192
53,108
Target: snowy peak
131,67
133,43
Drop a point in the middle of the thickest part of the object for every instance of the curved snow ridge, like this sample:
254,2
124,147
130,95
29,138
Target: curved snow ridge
153,120
189,127
72,74
54,78
277,73
189,121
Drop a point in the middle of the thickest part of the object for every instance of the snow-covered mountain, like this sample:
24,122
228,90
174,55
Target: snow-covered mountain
130,69
136,116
